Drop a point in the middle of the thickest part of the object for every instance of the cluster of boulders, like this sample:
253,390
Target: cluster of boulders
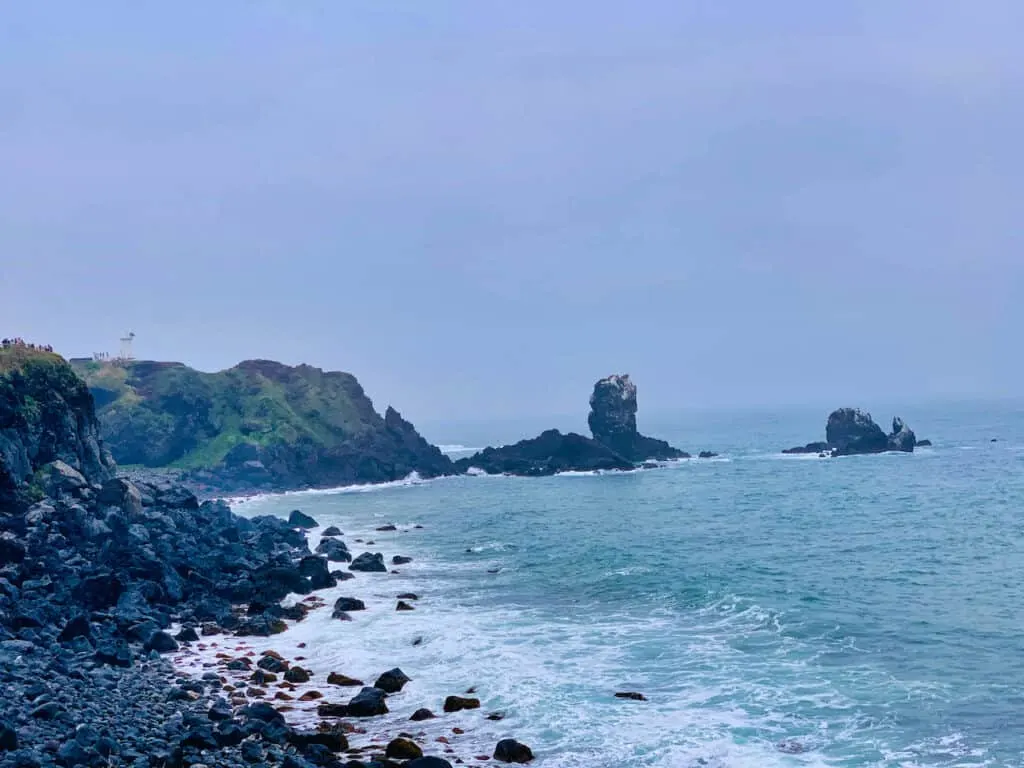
851,431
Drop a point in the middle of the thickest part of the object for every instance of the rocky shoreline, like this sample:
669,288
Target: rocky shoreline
101,577
379,712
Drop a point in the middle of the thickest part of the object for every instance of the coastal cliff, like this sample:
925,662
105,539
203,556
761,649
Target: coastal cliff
95,570
612,422
258,425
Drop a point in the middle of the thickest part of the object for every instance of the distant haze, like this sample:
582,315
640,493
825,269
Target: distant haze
480,208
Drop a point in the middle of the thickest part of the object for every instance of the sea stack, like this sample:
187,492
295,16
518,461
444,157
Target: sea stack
612,422
851,431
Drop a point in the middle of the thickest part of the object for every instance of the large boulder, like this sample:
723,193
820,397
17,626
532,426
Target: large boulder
370,563
59,477
392,681
511,751
122,494
299,519
334,550
612,422
369,702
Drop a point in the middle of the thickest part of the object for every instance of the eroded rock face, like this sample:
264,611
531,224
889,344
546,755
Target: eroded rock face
612,421
902,438
852,431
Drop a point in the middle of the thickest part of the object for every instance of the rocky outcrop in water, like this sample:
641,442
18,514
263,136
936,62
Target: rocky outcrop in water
850,431
612,421
547,454
616,444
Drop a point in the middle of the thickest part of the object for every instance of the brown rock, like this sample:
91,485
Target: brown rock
263,677
297,675
332,710
338,679
459,703
422,714
403,749
311,696
282,696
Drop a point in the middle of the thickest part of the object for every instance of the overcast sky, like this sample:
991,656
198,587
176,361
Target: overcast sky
479,207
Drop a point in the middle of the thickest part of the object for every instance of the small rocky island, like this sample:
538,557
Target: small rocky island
616,443
851,431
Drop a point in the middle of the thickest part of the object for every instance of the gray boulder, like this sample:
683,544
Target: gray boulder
902,438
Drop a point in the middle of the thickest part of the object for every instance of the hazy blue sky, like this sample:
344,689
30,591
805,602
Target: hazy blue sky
480,207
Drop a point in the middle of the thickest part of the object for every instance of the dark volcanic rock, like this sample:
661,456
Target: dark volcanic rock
459,703
852,431
346,604
706,455
331,531
511,751
612,422
372,563
548,454
902,438
809,448
334,550
924,443
392,681
369,702
403,749
298,519
422,714
400,560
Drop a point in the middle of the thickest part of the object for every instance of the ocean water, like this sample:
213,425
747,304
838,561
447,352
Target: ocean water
776,611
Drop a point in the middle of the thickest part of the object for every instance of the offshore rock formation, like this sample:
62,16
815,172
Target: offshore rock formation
549,453
259,425
850,431
616,444
612,422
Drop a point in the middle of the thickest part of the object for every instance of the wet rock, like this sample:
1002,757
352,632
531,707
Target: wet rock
791,747
400,560
371,563
317,571
459,703
187,635
511,751
924,443
345,604
403,749
633,695
335,551
404,606
408,596
331,531
388,527
219,710
333,739
161,642
332,710
422,714
341,616
428,761
496,716
337,679
297,675
392,681
369,702
706,455
298,519
8,737
272,662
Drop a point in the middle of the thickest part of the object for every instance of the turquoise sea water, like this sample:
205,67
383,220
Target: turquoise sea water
863,611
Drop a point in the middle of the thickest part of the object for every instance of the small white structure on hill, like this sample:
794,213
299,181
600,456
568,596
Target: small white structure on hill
126,347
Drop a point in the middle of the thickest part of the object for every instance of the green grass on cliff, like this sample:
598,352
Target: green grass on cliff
15,358
167,414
